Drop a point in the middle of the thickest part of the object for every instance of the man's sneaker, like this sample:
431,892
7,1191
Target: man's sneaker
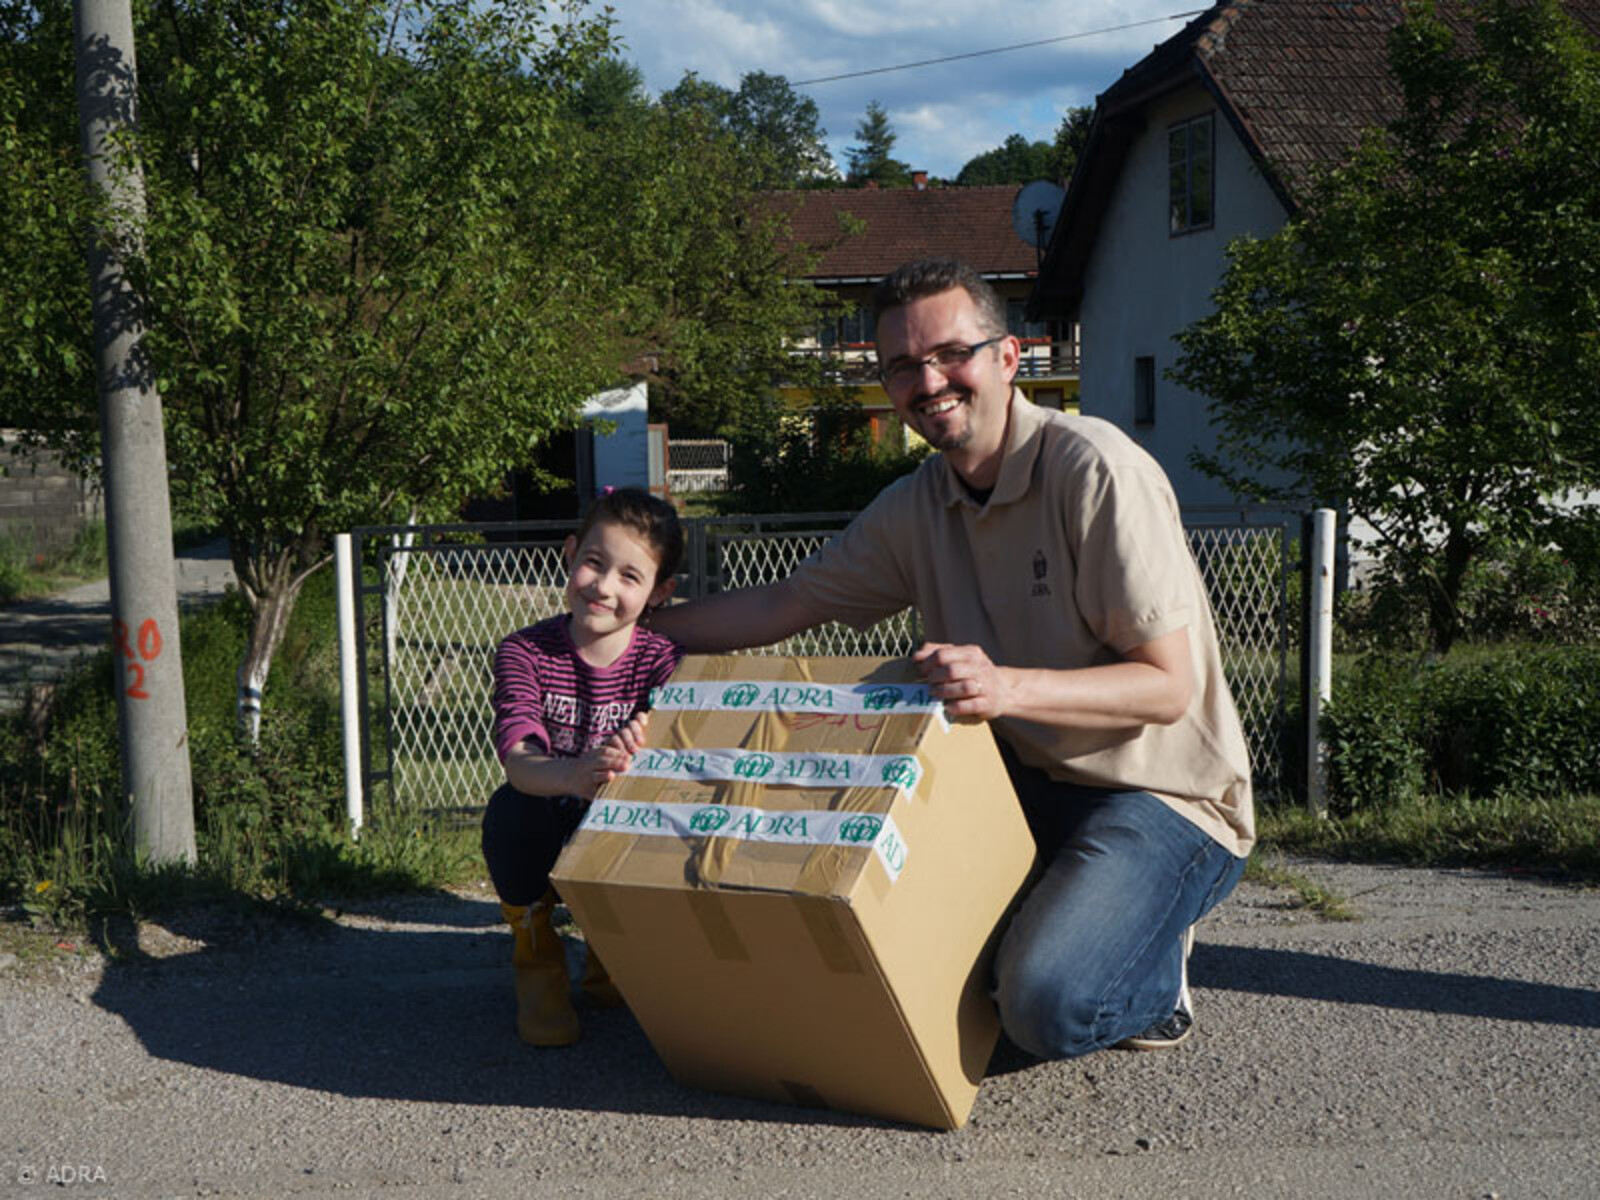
1169,1031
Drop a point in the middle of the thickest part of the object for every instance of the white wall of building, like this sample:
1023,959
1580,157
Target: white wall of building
1142,285
621,455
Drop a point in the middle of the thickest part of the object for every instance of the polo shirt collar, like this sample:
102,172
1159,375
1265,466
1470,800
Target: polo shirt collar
1023,440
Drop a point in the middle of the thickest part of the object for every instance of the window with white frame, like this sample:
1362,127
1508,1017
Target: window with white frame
1191,174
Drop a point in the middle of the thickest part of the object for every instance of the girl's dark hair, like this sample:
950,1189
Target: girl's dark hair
651,517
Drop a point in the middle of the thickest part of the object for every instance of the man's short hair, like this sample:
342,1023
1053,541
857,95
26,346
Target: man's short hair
929,277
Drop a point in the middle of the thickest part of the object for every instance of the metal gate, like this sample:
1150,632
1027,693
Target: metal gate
433,602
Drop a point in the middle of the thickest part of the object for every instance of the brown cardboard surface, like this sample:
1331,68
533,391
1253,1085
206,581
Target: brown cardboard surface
810,973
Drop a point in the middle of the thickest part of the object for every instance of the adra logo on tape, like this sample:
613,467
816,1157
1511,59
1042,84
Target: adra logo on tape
741,695
902,772
754,766
864,828
872,831
709,819
755,695
880,699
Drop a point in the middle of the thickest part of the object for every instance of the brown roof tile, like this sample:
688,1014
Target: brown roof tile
969,223
1298,79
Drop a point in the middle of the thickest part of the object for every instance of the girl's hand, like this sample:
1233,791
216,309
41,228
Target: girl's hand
630,737
599,766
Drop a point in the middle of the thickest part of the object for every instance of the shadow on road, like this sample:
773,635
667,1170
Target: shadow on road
425,1013
404,1014
1341,981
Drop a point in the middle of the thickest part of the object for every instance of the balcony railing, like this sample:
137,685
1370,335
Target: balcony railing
856,363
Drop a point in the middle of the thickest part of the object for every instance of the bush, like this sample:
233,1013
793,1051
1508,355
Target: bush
262,813
1374,734
13,568
1546,590
1515,719
823,461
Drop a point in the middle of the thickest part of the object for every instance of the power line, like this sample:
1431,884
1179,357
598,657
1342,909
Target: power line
930,62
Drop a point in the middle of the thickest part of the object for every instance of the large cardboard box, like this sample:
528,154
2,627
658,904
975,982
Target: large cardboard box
798,887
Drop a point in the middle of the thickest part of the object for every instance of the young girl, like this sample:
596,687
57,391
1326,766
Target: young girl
569,697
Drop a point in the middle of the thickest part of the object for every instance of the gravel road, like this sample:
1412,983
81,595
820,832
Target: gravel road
1443,1045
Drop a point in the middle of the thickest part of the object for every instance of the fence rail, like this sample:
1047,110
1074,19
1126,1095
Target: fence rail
433,602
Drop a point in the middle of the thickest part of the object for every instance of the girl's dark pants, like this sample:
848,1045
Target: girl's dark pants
522,838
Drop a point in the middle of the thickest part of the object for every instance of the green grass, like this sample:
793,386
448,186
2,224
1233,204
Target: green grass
1548,836
269,819
1266,868
25,574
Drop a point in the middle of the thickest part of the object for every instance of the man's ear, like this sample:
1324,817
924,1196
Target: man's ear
662,590
569,549
1010,357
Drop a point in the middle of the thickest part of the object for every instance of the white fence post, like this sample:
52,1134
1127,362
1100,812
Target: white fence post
349,683
1319,687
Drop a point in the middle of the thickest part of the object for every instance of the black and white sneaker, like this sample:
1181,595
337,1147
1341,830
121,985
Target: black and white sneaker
1170,1031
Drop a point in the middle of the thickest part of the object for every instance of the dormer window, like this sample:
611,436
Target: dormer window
1191,157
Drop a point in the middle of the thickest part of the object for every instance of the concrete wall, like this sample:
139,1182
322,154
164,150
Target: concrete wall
42,503
1142,285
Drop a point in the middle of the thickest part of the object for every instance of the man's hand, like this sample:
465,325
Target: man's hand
972,687
1152,685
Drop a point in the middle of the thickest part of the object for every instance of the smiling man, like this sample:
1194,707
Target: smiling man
1046,557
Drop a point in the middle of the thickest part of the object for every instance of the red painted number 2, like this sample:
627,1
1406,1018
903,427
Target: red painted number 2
147,648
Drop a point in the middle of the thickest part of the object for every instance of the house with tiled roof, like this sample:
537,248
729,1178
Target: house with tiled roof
1206,139
862,234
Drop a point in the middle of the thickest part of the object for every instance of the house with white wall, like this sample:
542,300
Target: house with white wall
1204,140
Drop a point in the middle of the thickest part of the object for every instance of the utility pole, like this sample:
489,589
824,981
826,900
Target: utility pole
144,602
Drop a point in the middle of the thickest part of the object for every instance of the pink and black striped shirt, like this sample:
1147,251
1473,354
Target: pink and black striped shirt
546,695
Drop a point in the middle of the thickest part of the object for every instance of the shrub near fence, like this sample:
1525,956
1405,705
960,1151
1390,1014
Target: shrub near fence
1484,720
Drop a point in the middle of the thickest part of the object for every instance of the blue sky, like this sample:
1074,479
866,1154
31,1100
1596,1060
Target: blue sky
943,114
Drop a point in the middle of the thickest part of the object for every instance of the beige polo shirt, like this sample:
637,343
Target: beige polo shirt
1078,556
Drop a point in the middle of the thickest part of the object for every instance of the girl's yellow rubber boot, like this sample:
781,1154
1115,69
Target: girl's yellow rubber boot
545,1016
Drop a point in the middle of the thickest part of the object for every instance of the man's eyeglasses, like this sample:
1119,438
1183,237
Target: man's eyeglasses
945,359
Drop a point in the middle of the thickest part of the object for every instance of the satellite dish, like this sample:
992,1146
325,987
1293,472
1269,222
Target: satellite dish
1034,212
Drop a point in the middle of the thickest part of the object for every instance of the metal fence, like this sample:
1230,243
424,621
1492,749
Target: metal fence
698,465
433,602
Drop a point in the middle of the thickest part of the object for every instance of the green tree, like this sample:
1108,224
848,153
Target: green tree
1419,342
1016,160
1072,135
871,158
705,279
360,304
608,91
779,131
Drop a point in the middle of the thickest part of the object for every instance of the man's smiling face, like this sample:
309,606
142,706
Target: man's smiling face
959,410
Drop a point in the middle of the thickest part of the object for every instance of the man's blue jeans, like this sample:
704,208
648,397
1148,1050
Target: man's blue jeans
1094,954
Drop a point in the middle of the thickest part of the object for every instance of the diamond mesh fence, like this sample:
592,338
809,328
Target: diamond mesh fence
441,598
1246,569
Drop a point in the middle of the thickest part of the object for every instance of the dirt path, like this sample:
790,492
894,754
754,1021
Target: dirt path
1444,1045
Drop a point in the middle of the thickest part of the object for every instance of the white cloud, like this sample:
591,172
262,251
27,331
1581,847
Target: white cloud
944,114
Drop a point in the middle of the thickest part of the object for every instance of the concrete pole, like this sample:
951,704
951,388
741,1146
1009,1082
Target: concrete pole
144,603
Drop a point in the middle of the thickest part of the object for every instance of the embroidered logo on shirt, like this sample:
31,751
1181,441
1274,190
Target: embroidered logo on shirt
1041,568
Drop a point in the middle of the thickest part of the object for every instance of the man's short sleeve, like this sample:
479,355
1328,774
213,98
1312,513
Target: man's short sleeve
1135,579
